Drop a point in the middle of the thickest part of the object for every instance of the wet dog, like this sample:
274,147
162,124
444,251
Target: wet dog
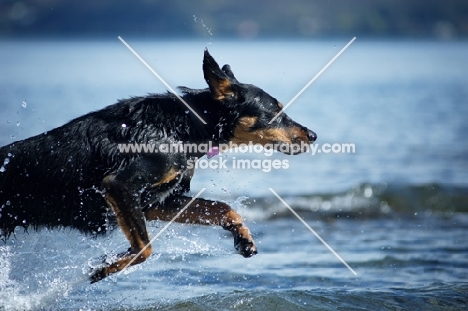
76,176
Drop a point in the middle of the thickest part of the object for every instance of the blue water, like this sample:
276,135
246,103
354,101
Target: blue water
395,210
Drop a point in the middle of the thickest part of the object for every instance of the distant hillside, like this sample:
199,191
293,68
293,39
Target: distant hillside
235,19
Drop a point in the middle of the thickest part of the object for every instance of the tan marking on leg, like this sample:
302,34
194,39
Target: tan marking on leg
204,212
123,262
131,222
201,212
132,235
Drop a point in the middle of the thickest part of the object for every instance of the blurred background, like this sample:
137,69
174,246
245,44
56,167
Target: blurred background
299,19
396,209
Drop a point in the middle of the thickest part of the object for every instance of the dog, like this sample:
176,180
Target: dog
75,176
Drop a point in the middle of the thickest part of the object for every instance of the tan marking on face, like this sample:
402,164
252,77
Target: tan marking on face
223,89
298,135
244,135
171,175
280,105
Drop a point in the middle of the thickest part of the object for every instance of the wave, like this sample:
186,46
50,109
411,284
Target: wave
366,200
431,297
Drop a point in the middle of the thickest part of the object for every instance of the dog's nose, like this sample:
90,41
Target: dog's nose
311,135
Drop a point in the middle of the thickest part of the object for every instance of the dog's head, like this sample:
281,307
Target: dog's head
252,110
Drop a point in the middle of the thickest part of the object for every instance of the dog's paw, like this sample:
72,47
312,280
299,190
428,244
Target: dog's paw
245,247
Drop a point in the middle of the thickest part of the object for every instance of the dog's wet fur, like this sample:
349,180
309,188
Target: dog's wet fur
75,175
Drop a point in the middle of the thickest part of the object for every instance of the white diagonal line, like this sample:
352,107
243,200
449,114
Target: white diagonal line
162,230
311,81
161,79
313,231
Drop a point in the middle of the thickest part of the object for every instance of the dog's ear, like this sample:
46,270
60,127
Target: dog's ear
218,80
227,70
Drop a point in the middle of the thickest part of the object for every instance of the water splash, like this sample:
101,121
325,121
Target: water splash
202,23
5,163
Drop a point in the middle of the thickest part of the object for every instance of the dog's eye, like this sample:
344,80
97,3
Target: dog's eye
279,107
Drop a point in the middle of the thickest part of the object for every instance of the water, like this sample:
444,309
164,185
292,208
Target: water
395,210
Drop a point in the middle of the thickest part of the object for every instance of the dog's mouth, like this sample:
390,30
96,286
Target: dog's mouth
291,149
297,145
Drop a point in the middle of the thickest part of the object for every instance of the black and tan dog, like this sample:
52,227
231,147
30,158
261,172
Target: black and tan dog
59,178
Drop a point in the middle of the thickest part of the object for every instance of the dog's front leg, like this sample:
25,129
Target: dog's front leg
206,212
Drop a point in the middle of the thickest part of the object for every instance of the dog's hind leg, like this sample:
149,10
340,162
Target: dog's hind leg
131,220
206,212
122,193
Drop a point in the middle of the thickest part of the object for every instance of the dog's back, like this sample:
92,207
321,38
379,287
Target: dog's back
53,179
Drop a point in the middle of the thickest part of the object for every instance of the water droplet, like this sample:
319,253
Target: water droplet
18,123
124,125
24,104
12,136
187,112
2,169
8,202
6,161
368,192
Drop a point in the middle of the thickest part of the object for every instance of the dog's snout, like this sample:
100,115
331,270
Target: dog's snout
311,135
